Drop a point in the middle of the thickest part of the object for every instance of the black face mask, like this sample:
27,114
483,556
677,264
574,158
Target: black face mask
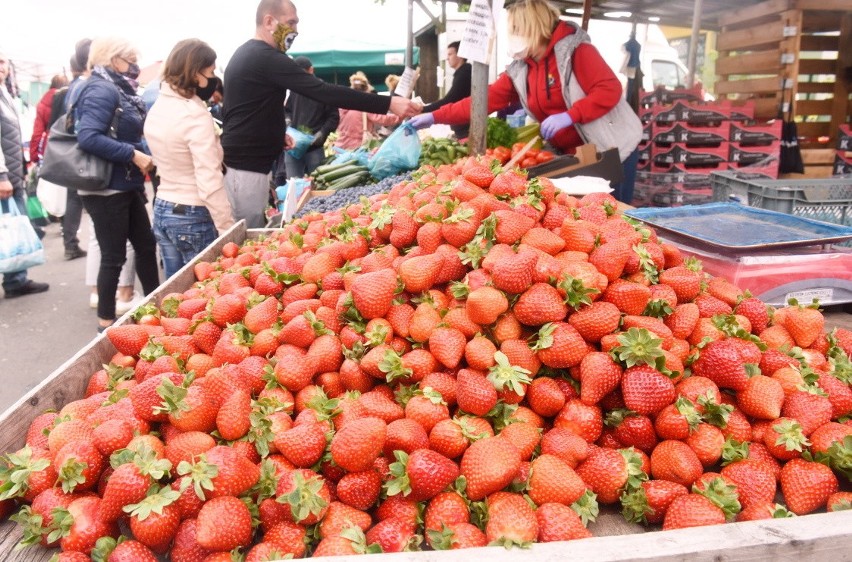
132,71
207,91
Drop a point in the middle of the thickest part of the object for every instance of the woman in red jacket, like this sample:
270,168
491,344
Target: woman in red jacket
42,124
562,82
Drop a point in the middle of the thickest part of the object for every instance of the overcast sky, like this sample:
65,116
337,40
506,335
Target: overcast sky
44,31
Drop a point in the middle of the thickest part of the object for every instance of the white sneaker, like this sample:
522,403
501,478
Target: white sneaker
123,307
93,300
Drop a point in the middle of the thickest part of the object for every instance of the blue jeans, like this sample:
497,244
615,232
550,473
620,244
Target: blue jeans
297,168
15,279
182,232
624,190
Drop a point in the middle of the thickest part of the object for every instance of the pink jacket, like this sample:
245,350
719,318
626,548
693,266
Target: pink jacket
350,131
188,154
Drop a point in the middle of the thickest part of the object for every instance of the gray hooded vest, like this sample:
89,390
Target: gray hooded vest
620,128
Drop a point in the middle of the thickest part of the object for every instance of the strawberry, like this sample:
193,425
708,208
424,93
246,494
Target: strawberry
754,479
303,445
632,430
675,461
540,304
224,523
448,346
511,226
560,345
227,309
479,353
129,483
128,339
557,522
683,320
234,473
685,282
155,520
810,410
807,485
692,510
511,520
804,323
761,398
722,362
372,293
607,471
427,409
355,446
709,306
646,390
756,312
485,304
785,439
553,480
599,375
79,525
479,175
131,551
185,547
513,273
261,316
232,419
475,394
78,465
205,335
422,474
610,258
839,501
545,397
649,502
394,535
627,296
707,441
489,465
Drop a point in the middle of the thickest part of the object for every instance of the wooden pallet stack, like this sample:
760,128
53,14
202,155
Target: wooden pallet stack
805,45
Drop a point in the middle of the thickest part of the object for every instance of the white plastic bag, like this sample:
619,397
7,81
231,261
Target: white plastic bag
20,247
52,197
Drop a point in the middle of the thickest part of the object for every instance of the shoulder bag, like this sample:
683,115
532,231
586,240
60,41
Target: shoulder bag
68,165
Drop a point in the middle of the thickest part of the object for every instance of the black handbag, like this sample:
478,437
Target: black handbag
790,158
66,164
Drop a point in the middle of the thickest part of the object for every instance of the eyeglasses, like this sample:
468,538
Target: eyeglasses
127,61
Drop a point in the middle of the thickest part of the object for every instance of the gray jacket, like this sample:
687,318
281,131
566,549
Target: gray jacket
11,155
620,128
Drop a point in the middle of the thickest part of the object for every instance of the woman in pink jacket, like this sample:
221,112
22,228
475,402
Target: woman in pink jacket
357,127
192,206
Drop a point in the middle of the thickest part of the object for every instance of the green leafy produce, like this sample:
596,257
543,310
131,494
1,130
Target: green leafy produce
499,133
436,152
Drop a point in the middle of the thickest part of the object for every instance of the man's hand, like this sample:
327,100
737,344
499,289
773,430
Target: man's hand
404,107
288,142
6,189
143,161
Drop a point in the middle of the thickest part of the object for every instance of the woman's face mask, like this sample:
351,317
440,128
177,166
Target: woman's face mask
206,92
284,35
517,47
132,71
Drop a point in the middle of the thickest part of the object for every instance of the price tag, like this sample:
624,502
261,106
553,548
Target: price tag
790,31
406,82
479,31
788,58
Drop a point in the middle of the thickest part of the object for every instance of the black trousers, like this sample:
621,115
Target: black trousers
71,220
117,219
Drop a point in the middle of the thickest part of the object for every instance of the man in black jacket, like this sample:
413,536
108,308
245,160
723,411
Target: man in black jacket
257,79
312,117
460,88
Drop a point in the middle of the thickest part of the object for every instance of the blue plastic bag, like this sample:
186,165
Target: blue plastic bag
358,156
20,247
399,153
302,142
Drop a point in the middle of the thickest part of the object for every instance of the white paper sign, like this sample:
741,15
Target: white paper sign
406,82
479,31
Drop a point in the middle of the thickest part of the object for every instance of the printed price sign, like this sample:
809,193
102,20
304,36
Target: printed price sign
479,31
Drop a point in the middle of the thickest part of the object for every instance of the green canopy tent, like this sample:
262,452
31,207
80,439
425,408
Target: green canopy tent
336,58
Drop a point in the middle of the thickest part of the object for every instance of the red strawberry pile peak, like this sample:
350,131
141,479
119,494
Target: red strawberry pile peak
469,359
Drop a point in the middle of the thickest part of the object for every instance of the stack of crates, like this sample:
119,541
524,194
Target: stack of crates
843,159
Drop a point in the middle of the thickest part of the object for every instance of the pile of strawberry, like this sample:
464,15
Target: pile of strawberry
470,359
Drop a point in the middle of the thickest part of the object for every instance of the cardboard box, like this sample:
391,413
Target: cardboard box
767,171
647,132
755,134
646,114
844,139
842,163
703,114
662,96
646,153
587,161
707,157
691,135
754,155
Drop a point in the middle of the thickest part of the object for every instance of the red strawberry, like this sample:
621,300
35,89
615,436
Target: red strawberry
445,509
489,465
511,520
131,551
393,535
722,362
419,273
810,410
545,397
629,297
185,547
128,339
303,445
485,304
85,526
610,258
557,522
683,320
475,393
359,489
596,320
606,472
262,315
155,520
675,461
761,398
355,446
685,282
423,474
511,226
235,474
372,293
599,375
513,273
649,502
448,346
553,480
232,420
560,345
224,523
805,323
692,510
807,485
756,312
79,465
227,309
539,304
754,480
646,390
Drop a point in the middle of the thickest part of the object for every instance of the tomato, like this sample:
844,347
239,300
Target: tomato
517,147
532,153
545,156
503,154
528,162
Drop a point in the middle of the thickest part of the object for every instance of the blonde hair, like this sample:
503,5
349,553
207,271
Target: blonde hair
104,49
533,20
359,81
391,82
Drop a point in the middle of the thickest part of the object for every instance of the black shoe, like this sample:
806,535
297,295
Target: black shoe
28,288
74,253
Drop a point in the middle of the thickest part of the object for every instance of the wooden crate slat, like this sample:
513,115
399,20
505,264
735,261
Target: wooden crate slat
759,62
814,107
818,156
813,129
820,42
823,5
766,108
751,37
815,87
820,22
767,85
817,66
756,11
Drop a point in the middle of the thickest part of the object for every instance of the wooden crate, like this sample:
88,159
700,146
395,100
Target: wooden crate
826,536
766,45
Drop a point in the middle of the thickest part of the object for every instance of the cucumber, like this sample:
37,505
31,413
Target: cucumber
350,181
341,172
322,170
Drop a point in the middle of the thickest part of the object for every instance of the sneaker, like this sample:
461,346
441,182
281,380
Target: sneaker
28,288
74,253
123,307
93,300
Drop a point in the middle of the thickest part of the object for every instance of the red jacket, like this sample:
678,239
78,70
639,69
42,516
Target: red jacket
38,142
603,90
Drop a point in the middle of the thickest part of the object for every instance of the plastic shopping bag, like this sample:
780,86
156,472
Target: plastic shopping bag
302,142
400,152
52,197
20,247
36,211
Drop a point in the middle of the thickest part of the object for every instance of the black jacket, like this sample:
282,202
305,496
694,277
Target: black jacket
303,113
459,90
256,82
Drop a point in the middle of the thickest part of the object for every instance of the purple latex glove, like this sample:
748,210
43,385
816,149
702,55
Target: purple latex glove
422,121
555,123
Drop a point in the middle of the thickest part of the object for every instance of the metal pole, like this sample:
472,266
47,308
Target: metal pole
478,106
409,45
587,14
693,42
